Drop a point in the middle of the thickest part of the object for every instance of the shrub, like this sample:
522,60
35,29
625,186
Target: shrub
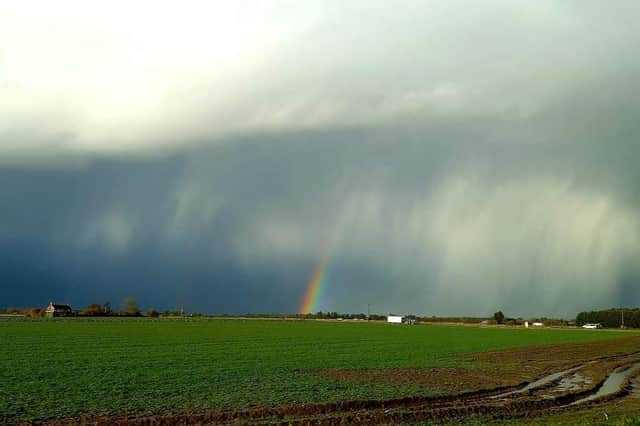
34,313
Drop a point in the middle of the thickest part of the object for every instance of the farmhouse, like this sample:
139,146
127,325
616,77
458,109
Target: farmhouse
56,310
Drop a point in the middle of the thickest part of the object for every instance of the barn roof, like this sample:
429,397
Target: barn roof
61,307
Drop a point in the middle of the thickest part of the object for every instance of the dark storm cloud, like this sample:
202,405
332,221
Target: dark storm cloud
435,227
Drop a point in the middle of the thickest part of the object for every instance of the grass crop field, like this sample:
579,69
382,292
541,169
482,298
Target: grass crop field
69,367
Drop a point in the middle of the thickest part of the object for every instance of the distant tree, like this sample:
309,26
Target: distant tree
93,309
130,306
106,309
498,317
152,313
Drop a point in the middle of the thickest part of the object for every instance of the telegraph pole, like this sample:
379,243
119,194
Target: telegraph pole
622,321
368,311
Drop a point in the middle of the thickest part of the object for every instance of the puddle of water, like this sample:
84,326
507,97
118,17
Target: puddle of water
572,383
611,385
538,383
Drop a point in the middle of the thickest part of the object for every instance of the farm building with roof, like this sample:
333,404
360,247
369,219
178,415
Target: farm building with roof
57,310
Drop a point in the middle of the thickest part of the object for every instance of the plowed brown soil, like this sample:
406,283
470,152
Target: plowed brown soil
494,369
441,380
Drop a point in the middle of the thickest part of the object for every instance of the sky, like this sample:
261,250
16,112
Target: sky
431,157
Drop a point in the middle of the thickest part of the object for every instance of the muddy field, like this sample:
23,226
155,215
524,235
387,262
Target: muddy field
590,382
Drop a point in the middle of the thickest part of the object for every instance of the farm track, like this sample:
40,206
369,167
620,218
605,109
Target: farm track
526,399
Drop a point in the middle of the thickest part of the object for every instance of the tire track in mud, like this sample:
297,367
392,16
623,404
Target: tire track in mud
523,402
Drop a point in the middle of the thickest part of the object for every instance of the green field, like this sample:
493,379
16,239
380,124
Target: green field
65,368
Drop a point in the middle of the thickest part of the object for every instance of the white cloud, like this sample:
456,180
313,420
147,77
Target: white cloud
121,77
115,77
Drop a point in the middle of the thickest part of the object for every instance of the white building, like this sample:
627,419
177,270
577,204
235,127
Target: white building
394,319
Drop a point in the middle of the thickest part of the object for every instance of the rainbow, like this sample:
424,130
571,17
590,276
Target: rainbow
313,289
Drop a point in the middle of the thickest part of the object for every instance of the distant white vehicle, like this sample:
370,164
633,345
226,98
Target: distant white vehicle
592,326
537,324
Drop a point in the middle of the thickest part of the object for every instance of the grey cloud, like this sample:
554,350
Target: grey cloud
435,228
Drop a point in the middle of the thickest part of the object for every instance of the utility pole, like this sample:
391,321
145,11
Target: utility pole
622,322
368,311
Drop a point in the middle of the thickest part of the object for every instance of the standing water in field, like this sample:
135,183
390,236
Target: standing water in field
538,383
612,384
574,382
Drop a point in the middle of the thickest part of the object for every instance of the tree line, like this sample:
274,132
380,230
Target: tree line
129,308
611,318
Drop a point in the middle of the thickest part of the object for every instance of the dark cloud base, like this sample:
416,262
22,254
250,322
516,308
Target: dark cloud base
238,227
